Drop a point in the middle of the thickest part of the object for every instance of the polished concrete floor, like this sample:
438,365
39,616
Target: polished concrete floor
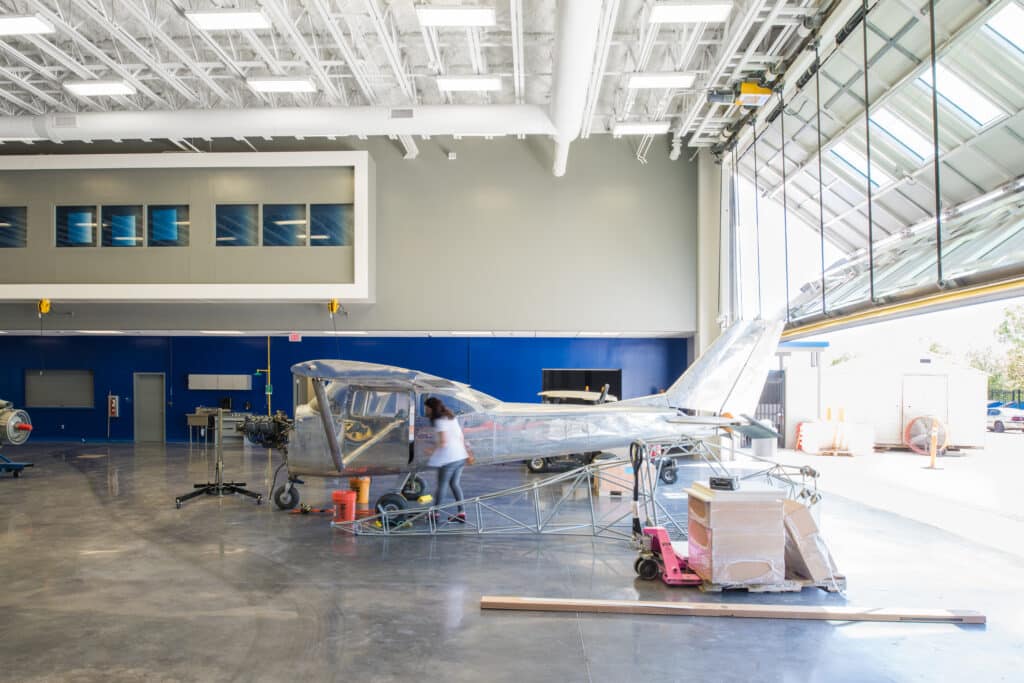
104,580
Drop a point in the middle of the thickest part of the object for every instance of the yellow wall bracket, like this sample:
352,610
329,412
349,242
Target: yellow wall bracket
333,306
43,307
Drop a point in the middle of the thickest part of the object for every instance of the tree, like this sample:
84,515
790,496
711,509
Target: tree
989,362
1011,333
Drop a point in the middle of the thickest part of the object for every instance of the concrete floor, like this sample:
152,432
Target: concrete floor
973,493
105,581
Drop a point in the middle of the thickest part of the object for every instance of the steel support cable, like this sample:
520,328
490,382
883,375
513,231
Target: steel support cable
757,231
821,198
935,134
785,203
867,149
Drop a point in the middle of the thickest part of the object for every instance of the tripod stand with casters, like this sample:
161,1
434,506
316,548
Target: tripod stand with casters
218,487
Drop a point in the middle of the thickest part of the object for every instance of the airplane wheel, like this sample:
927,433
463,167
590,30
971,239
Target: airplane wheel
286,497
648,569
998,427
668,474
537,465
392,503
415,487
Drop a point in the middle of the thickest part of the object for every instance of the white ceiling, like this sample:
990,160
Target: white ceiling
375,53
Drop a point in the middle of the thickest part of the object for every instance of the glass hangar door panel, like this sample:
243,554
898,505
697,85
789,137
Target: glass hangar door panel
376,429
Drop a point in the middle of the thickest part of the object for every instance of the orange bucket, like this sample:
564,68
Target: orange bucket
361,485
344,506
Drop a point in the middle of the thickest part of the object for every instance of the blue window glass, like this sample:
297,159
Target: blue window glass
330,225
76,226
284,225
168,226
236,225
13,227
122,226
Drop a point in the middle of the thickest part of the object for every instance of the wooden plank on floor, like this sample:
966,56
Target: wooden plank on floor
742,610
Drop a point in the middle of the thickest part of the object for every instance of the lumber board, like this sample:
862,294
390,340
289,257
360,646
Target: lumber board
740,610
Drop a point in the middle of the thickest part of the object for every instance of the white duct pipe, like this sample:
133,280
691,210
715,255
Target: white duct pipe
291,122
575,42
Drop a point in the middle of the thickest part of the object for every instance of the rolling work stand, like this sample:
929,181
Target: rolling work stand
15,468
218,487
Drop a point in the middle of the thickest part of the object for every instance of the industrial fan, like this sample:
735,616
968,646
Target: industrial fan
918,435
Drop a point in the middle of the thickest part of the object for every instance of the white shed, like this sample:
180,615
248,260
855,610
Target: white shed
888,392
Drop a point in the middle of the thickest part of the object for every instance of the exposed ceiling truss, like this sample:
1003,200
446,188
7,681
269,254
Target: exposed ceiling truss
375,53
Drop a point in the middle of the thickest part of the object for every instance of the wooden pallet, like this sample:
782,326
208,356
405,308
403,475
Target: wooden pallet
836,451
787,586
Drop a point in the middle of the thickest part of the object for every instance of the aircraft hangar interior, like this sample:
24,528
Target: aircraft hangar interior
512,340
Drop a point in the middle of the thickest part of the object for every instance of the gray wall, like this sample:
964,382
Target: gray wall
201,262
490,241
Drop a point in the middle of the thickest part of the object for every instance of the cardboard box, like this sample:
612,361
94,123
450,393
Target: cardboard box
807,554
730,558
736,537
616,481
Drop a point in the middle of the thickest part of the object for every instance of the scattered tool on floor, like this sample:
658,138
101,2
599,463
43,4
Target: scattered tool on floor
308,510
15,428
739,610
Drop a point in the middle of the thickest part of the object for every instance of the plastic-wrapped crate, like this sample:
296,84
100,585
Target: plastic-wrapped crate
736,537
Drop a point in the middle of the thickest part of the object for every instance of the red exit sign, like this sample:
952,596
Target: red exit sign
294,337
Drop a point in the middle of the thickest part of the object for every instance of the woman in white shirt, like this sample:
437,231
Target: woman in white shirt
450,452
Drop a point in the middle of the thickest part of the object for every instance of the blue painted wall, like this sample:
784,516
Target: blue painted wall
507,368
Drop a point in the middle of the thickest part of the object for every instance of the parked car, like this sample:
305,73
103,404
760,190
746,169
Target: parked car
1004,418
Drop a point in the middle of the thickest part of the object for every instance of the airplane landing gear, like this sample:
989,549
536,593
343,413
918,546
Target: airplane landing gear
286,496
414,487
391,503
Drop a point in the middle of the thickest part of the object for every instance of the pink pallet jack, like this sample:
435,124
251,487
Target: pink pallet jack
659,558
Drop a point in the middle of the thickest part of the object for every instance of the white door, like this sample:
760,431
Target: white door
925,395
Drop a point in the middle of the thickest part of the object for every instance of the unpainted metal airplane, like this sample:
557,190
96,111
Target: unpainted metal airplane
367,419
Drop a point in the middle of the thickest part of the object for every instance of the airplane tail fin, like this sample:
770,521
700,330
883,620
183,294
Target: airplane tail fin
730,375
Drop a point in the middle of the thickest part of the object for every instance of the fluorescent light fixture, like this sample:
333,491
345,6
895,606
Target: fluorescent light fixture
690,12
283,84
600,334
292,221
471,333
641,128
455,16
221,332
469,83
24,25
98,88
99,331
27,141
345,333
661,80
903,134
228,20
